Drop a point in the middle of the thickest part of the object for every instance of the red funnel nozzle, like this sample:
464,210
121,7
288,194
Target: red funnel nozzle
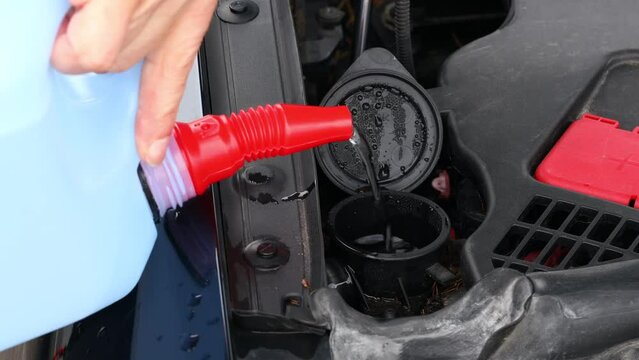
216,146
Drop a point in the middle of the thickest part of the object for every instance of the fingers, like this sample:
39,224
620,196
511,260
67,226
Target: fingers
149,26
164,76
92,35
112,35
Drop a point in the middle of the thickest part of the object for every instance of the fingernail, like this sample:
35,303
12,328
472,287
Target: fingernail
155,152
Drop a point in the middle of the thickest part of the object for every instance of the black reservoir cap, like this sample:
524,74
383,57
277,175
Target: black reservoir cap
395,115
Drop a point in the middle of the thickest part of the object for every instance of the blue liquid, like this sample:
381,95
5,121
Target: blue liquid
75,227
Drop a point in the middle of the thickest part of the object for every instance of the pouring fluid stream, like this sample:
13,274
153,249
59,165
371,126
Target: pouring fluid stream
363,150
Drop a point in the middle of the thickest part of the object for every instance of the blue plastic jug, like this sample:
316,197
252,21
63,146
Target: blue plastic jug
75,227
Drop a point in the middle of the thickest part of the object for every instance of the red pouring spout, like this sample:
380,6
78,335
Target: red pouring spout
216,146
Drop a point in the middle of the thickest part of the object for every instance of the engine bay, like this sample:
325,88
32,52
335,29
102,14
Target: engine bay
445,243
485,208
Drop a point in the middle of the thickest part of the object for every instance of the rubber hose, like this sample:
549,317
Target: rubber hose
403,45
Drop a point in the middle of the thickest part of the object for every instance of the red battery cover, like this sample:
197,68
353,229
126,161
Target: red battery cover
596,158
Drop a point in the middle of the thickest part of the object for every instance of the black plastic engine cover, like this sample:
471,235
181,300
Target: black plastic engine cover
569,315
508,96
268,213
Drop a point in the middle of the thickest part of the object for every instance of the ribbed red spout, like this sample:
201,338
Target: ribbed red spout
216,146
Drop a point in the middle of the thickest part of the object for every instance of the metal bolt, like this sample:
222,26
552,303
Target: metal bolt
266,253
266,250
330,16
258,175
238,11
238,7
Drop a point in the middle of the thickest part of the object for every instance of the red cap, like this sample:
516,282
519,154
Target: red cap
216,146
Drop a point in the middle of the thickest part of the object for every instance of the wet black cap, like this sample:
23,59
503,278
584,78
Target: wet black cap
395,115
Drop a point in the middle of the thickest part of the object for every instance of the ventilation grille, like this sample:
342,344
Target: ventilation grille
553,235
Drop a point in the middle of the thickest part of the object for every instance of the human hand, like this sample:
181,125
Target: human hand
113,35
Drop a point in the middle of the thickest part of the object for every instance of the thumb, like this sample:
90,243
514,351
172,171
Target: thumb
164,75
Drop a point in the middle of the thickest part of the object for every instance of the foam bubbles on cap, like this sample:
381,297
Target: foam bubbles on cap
392,124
